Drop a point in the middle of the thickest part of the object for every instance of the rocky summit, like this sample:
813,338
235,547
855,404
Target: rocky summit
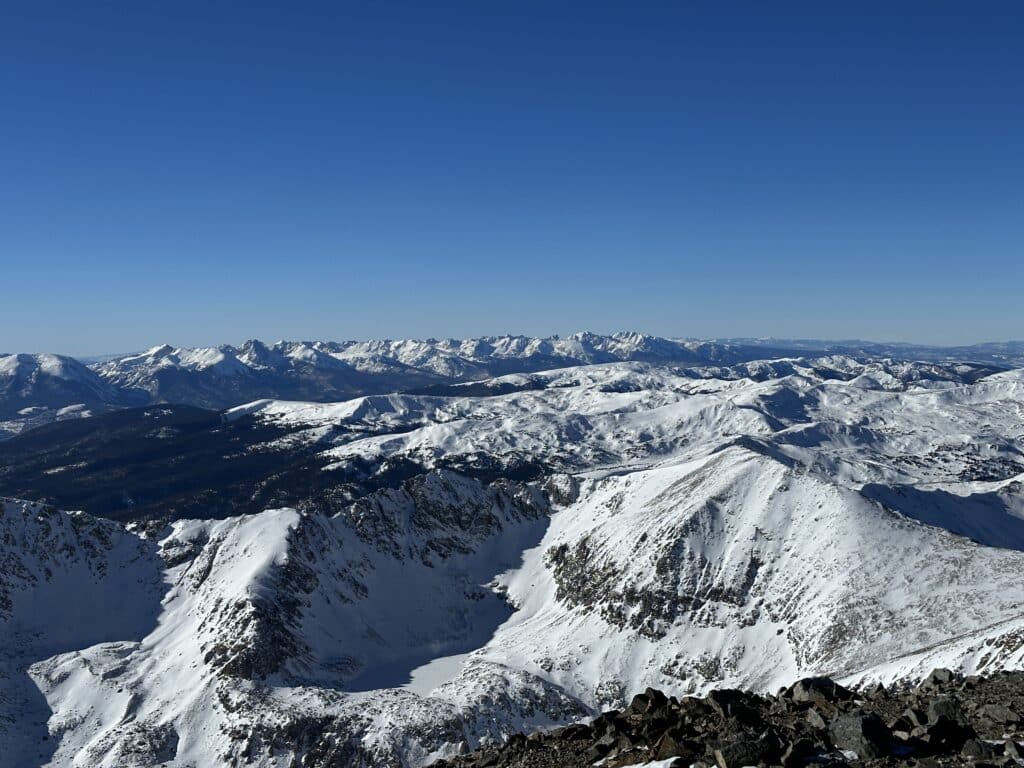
947,719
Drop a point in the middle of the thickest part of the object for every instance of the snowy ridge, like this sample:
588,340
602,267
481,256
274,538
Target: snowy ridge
67,581
325,371
319,609
475,359
684,528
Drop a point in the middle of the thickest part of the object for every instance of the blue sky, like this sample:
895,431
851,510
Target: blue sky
209,172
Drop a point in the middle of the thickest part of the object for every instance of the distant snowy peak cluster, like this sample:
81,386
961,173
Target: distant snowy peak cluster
468,359
38,389
448,359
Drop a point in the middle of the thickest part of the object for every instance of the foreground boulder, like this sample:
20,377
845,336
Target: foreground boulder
818,690
864,733
947,720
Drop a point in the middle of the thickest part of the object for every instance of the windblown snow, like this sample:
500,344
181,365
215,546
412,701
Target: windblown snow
565,539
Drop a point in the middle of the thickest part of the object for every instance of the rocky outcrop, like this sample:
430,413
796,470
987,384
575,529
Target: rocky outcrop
947,719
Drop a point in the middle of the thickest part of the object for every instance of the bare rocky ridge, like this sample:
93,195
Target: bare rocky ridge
947,719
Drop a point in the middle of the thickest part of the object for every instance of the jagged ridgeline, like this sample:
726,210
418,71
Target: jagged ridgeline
41,388
401,578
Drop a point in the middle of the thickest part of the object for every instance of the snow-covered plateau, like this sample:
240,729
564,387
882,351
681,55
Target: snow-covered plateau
539,546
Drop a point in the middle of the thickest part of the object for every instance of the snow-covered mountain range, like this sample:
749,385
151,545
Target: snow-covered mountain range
37,389
517,551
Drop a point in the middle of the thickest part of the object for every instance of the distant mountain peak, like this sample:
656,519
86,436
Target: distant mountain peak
224,376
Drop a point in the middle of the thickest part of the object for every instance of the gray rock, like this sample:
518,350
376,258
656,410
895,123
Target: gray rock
915,717
945,706
799,752
977,749
735,704
603,746
672,744
819,689
815,720
743,750
863,733
937,679
999,713
876,691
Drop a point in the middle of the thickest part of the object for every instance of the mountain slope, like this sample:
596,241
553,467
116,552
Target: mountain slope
547,544
739,570
67,581
39,389
284,618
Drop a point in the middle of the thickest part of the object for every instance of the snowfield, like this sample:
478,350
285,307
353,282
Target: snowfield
554,542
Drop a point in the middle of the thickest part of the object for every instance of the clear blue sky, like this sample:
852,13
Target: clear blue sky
205,172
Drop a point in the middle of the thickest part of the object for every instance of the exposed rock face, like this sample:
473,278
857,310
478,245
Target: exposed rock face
946,720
